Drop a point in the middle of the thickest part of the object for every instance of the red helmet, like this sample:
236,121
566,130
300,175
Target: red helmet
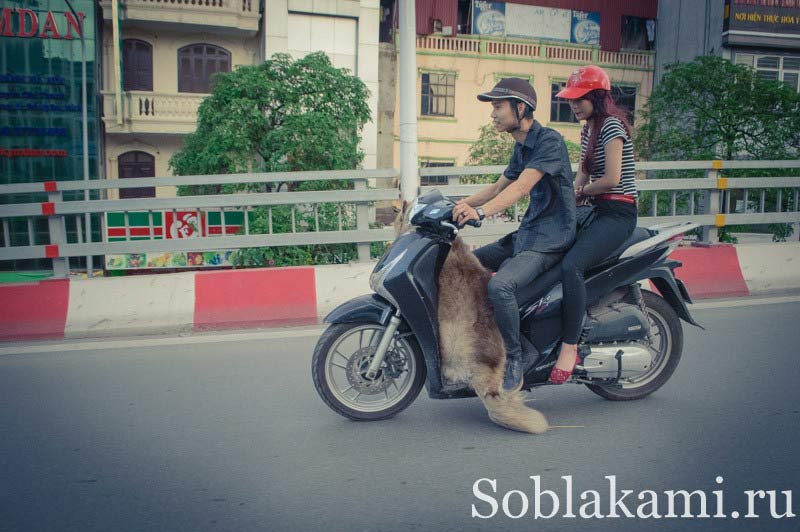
583,80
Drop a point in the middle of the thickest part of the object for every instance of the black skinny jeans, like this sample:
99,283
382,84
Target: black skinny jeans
513,271
613,224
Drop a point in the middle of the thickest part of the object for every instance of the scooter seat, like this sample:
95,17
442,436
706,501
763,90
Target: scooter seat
639,234
529,294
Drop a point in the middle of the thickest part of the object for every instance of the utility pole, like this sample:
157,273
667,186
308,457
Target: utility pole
409,171
85,135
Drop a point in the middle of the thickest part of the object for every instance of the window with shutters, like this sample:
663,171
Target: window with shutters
137,65
135,164
197,63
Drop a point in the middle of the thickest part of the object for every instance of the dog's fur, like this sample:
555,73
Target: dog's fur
471,347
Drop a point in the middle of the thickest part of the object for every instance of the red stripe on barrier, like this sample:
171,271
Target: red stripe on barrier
51,186
36,310
711,272
134,231
48,209
229,229
51,251
251,298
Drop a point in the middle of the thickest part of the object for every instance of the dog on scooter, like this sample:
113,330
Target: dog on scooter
471,347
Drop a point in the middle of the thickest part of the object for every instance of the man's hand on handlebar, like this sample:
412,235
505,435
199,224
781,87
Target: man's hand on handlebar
463,214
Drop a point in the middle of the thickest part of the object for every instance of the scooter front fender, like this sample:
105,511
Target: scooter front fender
369,308
372,308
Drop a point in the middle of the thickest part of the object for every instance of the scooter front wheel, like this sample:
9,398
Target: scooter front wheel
339,370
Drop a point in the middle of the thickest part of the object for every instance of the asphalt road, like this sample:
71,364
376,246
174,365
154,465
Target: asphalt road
226,432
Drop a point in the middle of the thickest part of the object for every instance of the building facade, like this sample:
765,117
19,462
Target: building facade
41,133
464,48
762,34
347,30
168,51
165,55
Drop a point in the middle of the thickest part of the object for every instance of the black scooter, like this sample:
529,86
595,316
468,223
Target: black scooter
379,350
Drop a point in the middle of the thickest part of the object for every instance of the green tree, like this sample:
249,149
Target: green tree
711,108
283,115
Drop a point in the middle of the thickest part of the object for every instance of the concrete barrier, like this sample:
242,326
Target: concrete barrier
260,297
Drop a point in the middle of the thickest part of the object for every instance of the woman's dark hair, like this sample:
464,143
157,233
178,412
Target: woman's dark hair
604,107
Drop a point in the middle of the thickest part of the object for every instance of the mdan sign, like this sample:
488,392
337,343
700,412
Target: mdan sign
23,22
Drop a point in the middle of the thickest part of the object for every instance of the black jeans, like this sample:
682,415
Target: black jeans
512,272
613,224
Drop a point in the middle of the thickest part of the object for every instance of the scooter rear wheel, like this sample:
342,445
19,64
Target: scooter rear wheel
339,368
666,346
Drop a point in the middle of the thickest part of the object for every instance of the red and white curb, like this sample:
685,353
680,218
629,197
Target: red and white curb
193,301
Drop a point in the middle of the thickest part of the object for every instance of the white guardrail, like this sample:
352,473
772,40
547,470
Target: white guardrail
713,201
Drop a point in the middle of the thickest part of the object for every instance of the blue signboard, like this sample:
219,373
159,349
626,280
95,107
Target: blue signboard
488,18
522,21
585,28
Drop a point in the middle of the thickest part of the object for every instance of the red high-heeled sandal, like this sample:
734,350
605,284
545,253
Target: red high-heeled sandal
560,376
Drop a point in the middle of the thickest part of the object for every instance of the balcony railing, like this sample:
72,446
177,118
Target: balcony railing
233,14
483,47
149,112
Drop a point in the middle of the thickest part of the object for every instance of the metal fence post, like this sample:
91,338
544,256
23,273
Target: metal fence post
712,202
362,221
56,225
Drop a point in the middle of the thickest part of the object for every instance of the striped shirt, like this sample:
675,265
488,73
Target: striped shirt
612,129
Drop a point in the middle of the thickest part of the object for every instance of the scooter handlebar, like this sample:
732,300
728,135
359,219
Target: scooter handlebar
474,223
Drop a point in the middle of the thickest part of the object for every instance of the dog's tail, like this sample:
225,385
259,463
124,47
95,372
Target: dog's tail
508,410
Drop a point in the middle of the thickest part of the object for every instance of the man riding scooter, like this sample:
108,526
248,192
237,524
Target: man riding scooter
540,167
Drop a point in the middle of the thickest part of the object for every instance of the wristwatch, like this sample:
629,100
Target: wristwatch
479,210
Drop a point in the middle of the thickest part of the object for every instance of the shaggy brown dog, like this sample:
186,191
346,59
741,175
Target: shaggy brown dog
471,347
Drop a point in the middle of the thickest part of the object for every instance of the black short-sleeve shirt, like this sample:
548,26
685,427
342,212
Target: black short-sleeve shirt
549,223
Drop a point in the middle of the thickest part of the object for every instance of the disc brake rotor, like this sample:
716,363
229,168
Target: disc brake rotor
357,367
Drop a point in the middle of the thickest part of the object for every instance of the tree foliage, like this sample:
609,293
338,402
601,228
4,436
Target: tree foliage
279,116
283,115
711,108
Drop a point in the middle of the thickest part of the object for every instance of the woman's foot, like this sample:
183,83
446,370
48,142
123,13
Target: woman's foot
565,365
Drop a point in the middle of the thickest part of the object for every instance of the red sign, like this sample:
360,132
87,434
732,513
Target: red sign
31,152
28,24
183,224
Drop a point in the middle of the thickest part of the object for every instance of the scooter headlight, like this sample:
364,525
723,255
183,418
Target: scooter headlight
379,275
415,208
